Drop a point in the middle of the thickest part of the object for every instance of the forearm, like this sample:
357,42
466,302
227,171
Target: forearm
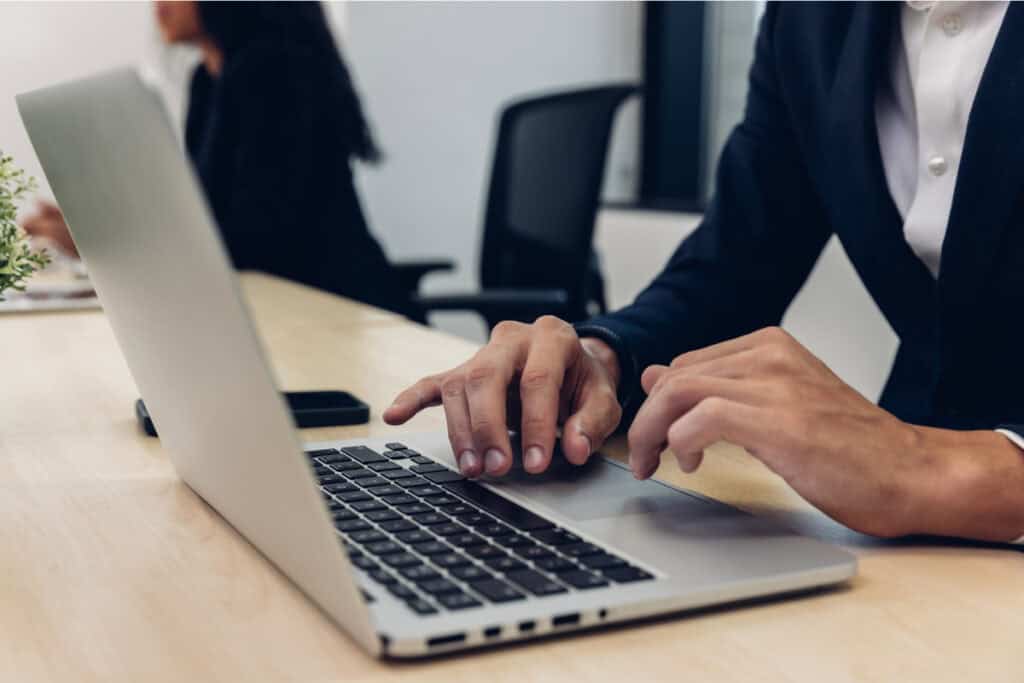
966,484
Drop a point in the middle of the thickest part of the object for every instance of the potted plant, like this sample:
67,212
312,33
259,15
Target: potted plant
17,259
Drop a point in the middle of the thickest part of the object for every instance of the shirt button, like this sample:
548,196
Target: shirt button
952,24
937,165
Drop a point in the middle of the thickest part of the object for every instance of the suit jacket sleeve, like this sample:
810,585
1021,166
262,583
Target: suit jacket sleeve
759,239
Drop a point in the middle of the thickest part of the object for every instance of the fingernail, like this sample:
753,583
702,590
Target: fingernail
533,459
469,463
590,444
494,460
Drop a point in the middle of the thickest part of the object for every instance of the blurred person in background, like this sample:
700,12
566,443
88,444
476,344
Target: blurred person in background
272,128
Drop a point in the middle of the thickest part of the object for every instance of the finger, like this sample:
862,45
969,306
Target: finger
651,375
555,350
649,433
487,378
712,420
593,422
460,431
424,394
729,347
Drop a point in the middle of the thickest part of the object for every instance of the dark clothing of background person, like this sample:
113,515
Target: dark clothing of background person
272,138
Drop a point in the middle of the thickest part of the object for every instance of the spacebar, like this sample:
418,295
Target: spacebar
510,512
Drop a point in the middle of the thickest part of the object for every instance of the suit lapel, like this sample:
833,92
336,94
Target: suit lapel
991,169
867,221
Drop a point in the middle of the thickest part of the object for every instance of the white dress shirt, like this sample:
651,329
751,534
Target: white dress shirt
935,64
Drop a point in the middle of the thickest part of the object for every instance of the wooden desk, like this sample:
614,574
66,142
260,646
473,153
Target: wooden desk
111,569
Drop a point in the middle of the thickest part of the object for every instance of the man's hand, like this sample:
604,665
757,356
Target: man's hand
48,222
538,376
846,456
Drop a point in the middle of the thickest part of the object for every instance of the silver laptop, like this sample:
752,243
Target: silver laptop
382,534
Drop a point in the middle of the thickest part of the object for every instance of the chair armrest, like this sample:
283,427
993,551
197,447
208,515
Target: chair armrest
411,273
499,304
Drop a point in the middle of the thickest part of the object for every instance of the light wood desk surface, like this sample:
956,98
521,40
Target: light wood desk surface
112,569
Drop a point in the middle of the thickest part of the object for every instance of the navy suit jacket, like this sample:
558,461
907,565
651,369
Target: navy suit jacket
804,164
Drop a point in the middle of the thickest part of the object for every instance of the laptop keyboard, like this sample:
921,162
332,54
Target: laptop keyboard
438,541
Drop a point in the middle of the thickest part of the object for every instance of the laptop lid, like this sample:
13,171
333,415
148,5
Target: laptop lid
138,218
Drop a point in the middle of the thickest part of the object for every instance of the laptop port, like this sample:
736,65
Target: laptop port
527,626
449,639
566,619
492,632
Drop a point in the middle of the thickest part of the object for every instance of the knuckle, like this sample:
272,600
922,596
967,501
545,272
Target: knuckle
714,410
536,422
506,328
452,385
536,378
479,374
550,322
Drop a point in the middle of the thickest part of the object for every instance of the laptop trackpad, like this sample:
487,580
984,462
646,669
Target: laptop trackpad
600,489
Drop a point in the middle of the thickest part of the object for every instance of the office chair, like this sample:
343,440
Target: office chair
544,193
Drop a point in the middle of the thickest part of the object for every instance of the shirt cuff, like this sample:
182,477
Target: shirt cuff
1018,441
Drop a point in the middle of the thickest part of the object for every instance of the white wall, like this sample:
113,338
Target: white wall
433,77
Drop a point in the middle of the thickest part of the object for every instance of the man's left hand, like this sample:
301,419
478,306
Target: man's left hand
846,456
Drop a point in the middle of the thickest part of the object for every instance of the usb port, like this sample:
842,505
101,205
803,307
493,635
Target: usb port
566,619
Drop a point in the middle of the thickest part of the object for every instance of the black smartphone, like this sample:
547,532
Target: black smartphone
309,409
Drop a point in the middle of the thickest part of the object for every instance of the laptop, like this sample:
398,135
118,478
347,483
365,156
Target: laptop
384,535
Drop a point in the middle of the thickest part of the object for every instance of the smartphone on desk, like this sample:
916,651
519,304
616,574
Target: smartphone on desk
309,409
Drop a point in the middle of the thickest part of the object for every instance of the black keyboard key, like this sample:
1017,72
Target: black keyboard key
471,573
556,565
444,477
415,536
581,549
398,499
349,525
424,491
626,574
378,516
364,563
373,482
395,446
476,519
344,487
382,466
397,526
396,455
368,506
440,500
555,537
361,473
367,536
447,529
438,587
421,606
486,552
459,509
420,573
534,582
602,561
321,452
511,513
410,452
331,478
465,540
517,541
429,518
494,529
334,458
432,548
414,509
422,460
400,474
343,515
382,577
409,482
582,580
346,466
458,601
427,469
504,564
384,491
401,591
449,560
497,591
384,548
362,454
534,553
399,560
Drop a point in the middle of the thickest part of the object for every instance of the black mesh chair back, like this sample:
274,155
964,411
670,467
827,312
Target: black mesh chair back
545,191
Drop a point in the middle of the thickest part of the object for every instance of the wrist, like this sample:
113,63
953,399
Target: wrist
606,357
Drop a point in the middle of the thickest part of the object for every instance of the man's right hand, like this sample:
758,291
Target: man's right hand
540,375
